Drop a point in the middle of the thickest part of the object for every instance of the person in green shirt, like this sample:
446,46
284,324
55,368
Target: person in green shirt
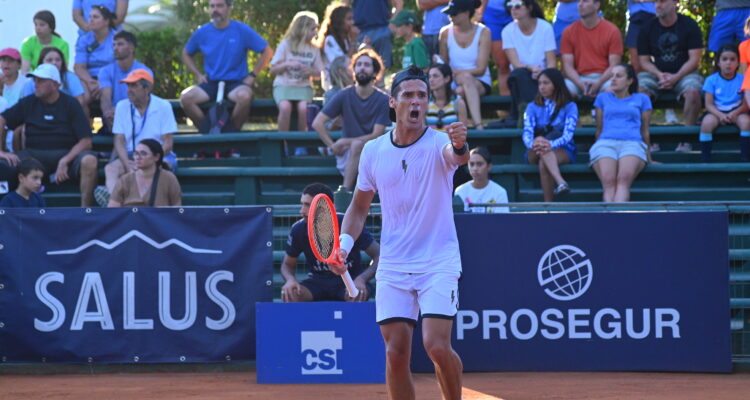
415,51
31,47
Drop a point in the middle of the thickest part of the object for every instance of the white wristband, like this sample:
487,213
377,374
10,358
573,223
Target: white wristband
346,242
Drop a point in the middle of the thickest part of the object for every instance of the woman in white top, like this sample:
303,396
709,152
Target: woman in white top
529,44
465,46
337,37
481,189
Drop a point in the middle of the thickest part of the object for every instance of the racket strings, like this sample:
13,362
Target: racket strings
323,229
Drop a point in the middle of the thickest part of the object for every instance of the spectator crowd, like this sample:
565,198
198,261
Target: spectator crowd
544,66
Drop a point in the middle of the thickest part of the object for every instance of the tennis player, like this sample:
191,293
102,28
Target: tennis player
411,168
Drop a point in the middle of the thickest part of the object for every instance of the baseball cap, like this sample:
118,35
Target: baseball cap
46,71
404,17
138,74
410,73
457,6
10,52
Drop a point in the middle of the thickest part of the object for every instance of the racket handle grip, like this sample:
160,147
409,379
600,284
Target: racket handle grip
349,282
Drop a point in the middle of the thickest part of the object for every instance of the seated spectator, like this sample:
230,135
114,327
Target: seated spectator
566,13
82,12
590,48
111,75
45,35
415,51
71,84
11,80
11,86
669,48
621,150
364,110
724,102
727,25
30,174
465,46
224,44
549,124
57,132
340,75
94,50
295,62
434,21
150,184
481,189
529,43
371,17
639,12
140,116
445,107
322,284
337,38
496,18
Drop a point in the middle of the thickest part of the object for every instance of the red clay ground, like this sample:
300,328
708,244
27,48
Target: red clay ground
477,386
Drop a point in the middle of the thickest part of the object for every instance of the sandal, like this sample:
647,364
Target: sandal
562,189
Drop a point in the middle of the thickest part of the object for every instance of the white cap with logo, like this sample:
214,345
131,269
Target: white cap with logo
46,71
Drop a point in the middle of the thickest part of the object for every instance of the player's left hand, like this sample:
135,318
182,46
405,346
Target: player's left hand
457,134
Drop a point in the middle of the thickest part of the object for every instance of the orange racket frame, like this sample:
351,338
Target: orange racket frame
348,282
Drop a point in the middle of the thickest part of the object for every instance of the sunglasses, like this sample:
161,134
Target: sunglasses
514,4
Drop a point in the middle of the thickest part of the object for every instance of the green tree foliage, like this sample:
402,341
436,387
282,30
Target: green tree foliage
160,49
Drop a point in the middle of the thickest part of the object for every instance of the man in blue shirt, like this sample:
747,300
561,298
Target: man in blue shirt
112,91
224,44
322,284
372,18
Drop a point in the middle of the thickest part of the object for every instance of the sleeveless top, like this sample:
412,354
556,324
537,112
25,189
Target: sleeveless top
438,118
466,58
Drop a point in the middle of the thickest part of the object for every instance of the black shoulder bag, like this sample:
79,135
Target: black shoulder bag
154,184
548,131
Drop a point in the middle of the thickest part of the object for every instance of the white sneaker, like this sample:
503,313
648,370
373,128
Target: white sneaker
670,116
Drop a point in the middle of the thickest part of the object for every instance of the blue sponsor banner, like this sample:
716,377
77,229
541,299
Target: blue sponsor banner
132,285
322,342
592,292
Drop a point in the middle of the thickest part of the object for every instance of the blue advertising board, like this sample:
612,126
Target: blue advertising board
592,292
132,285
321,342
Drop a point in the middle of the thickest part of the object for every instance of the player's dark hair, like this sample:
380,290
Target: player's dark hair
128,37
316,188
482,151
29,164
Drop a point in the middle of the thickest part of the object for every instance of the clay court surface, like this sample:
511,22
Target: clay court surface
485,386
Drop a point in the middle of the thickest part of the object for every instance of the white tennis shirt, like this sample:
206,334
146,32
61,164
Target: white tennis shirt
415,185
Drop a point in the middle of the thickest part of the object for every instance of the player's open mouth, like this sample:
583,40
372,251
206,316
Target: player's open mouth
414,114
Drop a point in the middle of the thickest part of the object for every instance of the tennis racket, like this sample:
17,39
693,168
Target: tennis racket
323,232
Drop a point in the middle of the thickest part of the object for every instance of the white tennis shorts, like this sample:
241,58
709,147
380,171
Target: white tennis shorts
400,296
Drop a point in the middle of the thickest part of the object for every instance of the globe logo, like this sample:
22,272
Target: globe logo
564,272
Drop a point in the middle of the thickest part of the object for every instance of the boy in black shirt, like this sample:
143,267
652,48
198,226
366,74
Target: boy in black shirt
30,173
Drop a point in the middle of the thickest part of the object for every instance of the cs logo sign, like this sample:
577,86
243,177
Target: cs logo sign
319,352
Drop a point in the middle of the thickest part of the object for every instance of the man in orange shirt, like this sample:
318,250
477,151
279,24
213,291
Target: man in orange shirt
590,48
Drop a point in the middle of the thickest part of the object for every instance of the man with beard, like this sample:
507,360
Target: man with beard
411,168
365,115
110,76
224,44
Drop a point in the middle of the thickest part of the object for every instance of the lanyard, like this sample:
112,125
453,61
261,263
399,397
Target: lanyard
143,121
